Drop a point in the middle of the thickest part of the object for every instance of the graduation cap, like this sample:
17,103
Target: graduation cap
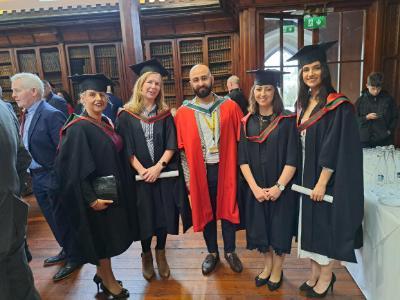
267,77
96,82
312,53
152,65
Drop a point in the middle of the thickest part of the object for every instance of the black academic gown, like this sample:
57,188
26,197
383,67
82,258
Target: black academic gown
160,203
87,152
269,223
333,141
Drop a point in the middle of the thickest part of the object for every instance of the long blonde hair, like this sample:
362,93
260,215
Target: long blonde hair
135,103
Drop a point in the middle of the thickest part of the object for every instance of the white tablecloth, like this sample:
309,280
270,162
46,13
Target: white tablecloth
377,272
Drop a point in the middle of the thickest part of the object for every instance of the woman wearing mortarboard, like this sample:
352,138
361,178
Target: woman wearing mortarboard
268,161
90,151
148,130
331,165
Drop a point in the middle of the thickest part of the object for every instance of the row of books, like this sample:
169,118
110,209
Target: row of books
166,61
219,43
160,49
6,70
169,89
218,56
171,102
5,83
191,46
220,69
108,66
27,62
50,62
219,86
191,58
105,51
80,66
5,57
79,52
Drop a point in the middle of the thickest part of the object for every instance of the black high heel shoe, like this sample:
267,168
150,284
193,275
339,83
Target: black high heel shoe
272,286
305,287
313,294
123,294
97,280
260,281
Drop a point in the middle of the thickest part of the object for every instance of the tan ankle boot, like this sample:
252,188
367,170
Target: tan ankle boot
162,264
147,265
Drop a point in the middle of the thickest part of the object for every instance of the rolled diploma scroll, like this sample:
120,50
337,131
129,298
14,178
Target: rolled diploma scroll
168,174
307,191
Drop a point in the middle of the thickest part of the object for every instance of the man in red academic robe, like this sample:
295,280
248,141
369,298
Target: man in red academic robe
208,129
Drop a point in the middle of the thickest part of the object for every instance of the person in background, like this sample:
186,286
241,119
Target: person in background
40,128
268,160
53,99
208,130
377,114
236,94
149,135
103,226
70,102
332,164
114,103
16,279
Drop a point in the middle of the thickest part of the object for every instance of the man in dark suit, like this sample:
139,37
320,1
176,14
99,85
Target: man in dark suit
40,127
16,279
53,99
236,94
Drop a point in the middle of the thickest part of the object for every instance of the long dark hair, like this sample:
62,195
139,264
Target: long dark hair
277,103
326,88
67,97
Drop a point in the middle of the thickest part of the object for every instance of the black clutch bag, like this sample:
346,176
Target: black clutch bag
106,188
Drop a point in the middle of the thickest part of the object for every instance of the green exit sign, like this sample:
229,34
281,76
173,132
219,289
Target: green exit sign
288,28
314,22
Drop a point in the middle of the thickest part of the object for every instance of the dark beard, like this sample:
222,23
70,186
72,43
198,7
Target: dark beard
203,92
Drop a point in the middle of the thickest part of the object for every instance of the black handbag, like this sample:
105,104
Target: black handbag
106,188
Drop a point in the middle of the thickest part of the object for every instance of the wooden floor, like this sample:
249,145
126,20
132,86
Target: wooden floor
185,254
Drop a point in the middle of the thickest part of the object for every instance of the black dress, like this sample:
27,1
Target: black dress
86,152
332,141
269,223
159,203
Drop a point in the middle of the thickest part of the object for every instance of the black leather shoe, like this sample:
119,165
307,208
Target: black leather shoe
123,294
234,262
60,257
209,263
305,287
261,281
272,286
97,280
313,294
66,270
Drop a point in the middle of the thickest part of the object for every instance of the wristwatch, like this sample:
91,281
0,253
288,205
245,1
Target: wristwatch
281,187
163,164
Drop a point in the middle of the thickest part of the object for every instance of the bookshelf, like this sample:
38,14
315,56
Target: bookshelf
95,58
164,52
220,61
79,63
180,55
51,67
27,61
107,63
190,53
6,71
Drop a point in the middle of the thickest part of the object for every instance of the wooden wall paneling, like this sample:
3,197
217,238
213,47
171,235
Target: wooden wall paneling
131,40
235,54
64,67
124,88
177,74
248,45
92,58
